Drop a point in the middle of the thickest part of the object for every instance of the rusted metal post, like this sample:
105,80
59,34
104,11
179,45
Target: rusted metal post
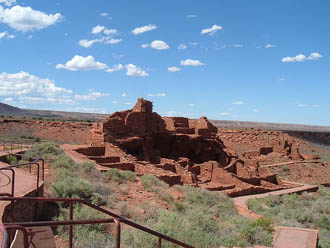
42,168
71,226
117,222
159,242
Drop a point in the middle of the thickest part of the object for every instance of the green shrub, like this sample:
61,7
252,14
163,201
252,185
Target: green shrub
86,167
120,176
63,161
11,159
150,181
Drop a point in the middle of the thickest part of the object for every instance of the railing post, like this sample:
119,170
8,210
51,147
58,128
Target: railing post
159,242
71,226
117,221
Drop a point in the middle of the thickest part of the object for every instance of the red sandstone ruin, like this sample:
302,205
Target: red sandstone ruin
177,150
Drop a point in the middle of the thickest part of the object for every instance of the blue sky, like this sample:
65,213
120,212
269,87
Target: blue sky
228,59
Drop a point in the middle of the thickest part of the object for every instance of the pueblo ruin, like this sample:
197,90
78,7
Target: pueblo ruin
178,150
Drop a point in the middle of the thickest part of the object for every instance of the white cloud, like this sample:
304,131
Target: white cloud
191,62
182,46
110,31
212,30
89,43
193,43
112,41
256,110
156,44
105,40
134,71
104,14
239,103
124,94
191,16
173,69
87,110
27,19
8,99
302,58
115,68
238,45
282,79
192,105
157,95
143,29
224,113
308,105
97,29
25,87
8,2
128,103
82,63
159,45
5,35
269,46
92,95
115,102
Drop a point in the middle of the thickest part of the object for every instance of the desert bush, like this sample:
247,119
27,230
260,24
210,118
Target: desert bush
120,176
11,159
149,182
48,151
86,167
63,161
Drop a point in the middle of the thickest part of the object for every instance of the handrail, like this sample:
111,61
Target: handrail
118,218
4,236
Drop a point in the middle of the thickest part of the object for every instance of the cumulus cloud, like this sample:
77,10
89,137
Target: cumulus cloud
157,95
182,46
92,95
25,87
97,29
302,58
8,2
192,105
156,44
282,79
134,71
269,46
144,29
82,63
191,16
8,99
191,62
224,113
237,45
173,69
124,94
159,45
239,103
27,19
212,30
5,35
115,68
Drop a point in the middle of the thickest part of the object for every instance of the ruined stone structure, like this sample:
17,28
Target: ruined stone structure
175,149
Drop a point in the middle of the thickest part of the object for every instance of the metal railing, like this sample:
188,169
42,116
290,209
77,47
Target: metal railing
117,219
